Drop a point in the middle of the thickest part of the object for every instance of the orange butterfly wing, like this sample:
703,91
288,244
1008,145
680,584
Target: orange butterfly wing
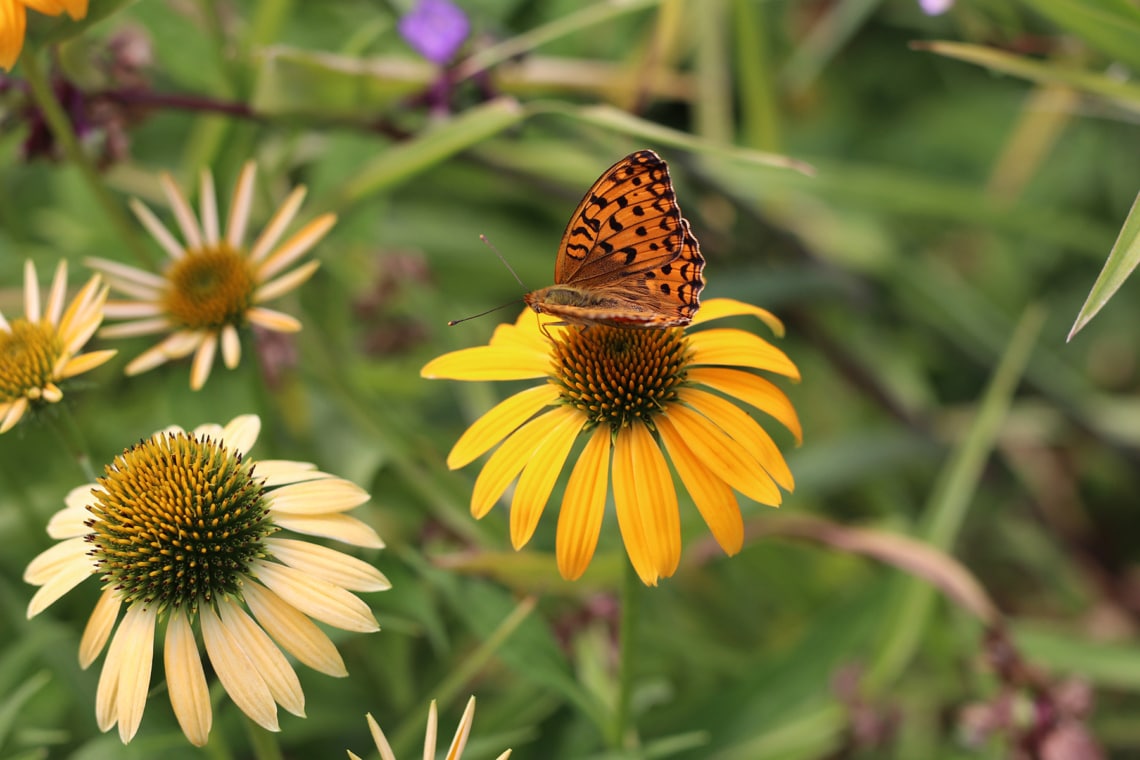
628,257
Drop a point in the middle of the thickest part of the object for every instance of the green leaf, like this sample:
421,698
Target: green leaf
1111,26
291,82
1122,259
617,120
953,492
1115,666
407,159
1122,94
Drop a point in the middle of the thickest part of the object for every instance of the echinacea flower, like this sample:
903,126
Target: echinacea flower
42,349
454,752
183,527
14,23
213,286
637,396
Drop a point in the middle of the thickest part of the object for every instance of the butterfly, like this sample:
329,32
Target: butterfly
628,257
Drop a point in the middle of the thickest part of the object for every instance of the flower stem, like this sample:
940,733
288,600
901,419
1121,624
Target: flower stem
262,742
627,638
73,440
448,690
61,130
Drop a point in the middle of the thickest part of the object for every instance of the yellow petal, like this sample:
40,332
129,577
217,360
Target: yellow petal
508,460
537,479
740,349
13,27
721,453
626,485
657,501
266,657
713,497
751,389
719,308
499,422
510,362
583,506
99,627
735,422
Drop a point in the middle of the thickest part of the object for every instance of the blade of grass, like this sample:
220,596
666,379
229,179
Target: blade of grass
950,499
400,162
1122,259
592,15
1125,95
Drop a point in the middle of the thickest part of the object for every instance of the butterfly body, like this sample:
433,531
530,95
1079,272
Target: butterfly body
628,257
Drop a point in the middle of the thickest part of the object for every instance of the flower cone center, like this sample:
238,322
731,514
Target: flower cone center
209,288
616,376
177,520
28,355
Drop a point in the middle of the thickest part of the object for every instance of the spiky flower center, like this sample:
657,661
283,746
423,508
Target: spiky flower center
28,355
210,288
177,520
616,376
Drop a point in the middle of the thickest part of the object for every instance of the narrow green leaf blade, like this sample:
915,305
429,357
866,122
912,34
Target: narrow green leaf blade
1122,259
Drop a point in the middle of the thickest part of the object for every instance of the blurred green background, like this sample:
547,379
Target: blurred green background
904,209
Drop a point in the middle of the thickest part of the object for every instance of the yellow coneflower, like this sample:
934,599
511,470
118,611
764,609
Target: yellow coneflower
213,286
183,527
41,350
637,395
14,22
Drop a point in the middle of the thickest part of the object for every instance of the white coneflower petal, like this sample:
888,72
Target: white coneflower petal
191,232
297,634
186,679
285,283
135,329
208,207
241,204
337,527
231,346
328,564
312,497
203,362
240,433
279,676
273,320
317,598
273,231
99,627
157,231
296,246
57,295
238,675
121,275
136,638
31,292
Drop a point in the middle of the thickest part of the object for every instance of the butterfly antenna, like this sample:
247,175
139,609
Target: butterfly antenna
454,322
508,266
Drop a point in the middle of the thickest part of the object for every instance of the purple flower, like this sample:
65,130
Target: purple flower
436,29
935,7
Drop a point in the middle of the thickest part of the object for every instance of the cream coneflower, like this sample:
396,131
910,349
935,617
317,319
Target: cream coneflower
637,395
14,22
183,528
454,752
213,286
42,349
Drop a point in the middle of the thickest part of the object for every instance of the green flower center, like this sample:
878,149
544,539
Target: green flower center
177,520
28,355
616,376
210,288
